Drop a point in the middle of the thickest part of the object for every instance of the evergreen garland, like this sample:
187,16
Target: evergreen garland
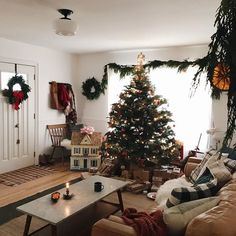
222,51
125,70
104,80
141,130
180,65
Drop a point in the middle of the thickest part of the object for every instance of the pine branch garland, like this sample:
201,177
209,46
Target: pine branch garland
222,51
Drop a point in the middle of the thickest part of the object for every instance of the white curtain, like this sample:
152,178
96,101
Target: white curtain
191,115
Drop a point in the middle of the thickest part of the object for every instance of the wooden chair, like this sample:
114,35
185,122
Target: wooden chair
57,134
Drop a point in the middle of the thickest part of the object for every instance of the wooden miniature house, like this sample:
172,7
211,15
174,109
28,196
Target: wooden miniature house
85,150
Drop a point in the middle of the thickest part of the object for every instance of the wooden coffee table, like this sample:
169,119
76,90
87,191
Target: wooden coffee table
84,209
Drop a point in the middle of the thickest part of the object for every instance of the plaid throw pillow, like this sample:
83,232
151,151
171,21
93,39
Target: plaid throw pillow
199,170
220,172
185,194
230,164
194,174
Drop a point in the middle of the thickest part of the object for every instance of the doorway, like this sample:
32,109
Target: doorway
17,128
85,163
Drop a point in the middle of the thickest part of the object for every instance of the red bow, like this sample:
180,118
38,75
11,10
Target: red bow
19,95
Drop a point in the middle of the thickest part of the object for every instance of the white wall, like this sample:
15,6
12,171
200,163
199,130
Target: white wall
52,65
63,67
219,121
95,112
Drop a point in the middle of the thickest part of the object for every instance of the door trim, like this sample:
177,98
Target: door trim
36,66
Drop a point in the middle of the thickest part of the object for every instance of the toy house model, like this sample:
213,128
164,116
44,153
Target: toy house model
85,150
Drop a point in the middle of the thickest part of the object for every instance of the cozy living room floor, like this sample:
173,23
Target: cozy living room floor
15,193
12,194
15,227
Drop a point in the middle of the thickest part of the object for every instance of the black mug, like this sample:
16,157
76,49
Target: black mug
98,186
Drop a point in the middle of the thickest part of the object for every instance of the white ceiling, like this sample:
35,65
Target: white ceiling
107,25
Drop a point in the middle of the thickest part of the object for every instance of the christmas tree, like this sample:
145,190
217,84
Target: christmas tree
139,124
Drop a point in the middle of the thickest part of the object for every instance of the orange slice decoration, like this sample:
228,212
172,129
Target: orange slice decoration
220,77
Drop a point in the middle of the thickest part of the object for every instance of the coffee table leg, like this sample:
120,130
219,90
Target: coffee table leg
120,200
27,225
54,230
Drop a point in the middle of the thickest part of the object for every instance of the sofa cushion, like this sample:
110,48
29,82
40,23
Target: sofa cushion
230,164
219,171
116,219
211,160
205,177
165,190
185,194
188,168
231,152
219,220
177,217
200,168
111,228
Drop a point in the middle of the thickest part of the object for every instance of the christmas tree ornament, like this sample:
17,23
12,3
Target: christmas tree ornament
156,102
145,121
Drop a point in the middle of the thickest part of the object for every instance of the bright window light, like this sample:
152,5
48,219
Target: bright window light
191,114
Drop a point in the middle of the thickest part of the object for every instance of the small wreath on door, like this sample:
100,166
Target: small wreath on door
91,89
16,97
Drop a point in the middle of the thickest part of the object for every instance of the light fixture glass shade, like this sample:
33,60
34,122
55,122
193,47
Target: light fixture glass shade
65,27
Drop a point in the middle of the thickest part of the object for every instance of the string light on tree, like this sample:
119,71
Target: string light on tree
140,123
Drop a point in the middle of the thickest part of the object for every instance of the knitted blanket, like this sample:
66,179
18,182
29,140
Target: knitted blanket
144,223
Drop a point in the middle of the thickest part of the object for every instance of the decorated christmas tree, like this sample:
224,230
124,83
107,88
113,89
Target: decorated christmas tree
140,124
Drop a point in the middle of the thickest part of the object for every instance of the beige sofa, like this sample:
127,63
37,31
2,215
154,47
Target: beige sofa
218,221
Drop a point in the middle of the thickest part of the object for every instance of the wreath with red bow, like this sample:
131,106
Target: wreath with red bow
16,97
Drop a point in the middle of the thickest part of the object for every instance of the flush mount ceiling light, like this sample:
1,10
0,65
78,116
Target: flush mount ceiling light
65,26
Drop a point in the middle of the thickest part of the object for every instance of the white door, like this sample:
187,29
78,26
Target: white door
17,128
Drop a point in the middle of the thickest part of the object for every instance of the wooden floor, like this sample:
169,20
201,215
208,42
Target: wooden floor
12,194
15,227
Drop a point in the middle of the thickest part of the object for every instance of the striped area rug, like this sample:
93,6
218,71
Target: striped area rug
24,175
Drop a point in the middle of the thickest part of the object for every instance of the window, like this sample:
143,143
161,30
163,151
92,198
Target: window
93,150
93,163
191,115
115,87
76,150
85,150
76,163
